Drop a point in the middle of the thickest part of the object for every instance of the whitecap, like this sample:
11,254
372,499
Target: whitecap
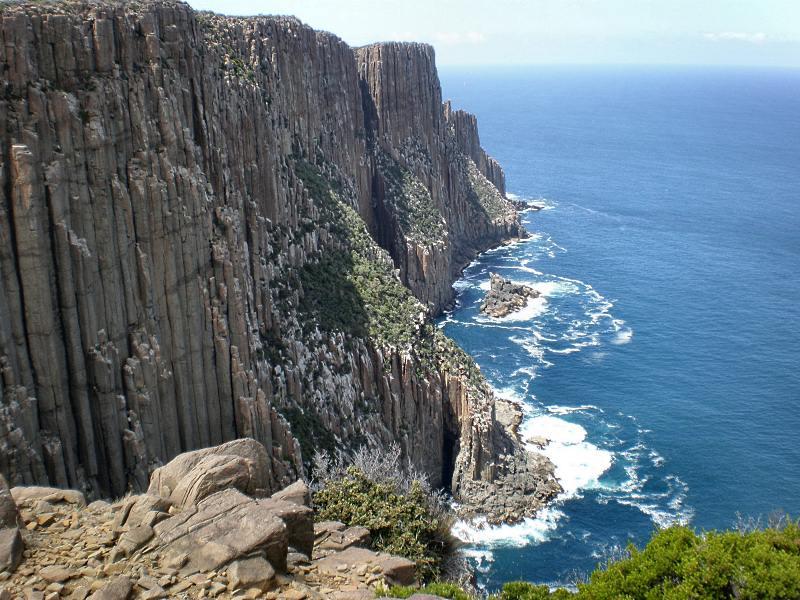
565,410
578,463
532,530
623,336
532,309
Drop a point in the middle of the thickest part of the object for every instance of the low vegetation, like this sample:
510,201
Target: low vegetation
352,287
677,564
486,196
443,590
377,491
417,214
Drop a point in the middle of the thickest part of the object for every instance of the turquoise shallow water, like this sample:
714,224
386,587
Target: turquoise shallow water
663,359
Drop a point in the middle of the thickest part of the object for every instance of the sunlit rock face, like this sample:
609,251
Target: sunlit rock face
209,228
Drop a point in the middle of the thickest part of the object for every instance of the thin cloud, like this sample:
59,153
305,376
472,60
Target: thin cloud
404,36
758,37
453,38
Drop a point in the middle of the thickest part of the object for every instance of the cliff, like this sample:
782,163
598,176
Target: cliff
205,231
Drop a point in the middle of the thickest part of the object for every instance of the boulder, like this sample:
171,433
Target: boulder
55,573
223,527
9,515
396,570
145,509
11,547
254,572
32,494
133,539
299,522
332,536
297,493
189,477
118,588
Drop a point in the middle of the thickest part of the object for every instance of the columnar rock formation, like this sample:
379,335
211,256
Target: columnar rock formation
188,226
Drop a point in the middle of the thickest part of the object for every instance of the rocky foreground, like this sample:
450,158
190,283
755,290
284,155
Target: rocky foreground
203,529
505,297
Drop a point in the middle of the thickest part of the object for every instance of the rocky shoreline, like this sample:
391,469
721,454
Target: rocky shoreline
527,483
505,297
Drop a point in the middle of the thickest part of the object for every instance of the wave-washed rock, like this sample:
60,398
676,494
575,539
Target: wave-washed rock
505,297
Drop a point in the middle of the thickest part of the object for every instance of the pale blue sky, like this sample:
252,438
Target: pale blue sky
471,32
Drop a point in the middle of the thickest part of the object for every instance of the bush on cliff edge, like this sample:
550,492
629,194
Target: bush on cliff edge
404,516
679,564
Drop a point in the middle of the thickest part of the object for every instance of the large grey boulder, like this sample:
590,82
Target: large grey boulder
333,536
9,515
144,509
31,494
299,522
297,493
221,528
11,547
189,477
250,573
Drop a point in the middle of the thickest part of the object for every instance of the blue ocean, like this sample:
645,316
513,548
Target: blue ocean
662,360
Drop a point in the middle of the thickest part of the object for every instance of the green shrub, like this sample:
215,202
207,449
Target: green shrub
678,564
401,522
520,590
444,590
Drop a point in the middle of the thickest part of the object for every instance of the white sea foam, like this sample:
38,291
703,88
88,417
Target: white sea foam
529,531
533,349
512,394
623,336
578,463
566,410
535,307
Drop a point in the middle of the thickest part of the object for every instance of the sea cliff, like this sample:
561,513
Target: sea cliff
214,228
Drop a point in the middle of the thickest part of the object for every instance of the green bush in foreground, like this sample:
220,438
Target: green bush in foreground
678,564
401,521
444,590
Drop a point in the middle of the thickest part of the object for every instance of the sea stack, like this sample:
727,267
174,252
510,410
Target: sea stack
505,297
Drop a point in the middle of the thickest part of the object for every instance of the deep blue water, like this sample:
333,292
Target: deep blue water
664,359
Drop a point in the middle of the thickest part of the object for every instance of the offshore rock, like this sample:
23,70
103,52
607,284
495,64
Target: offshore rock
505,297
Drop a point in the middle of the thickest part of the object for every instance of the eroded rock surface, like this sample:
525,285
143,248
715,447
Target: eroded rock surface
226,545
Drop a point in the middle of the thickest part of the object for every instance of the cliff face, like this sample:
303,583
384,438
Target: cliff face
188,227
441,197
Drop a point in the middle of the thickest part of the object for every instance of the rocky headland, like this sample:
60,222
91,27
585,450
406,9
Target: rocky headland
505,297
214,228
